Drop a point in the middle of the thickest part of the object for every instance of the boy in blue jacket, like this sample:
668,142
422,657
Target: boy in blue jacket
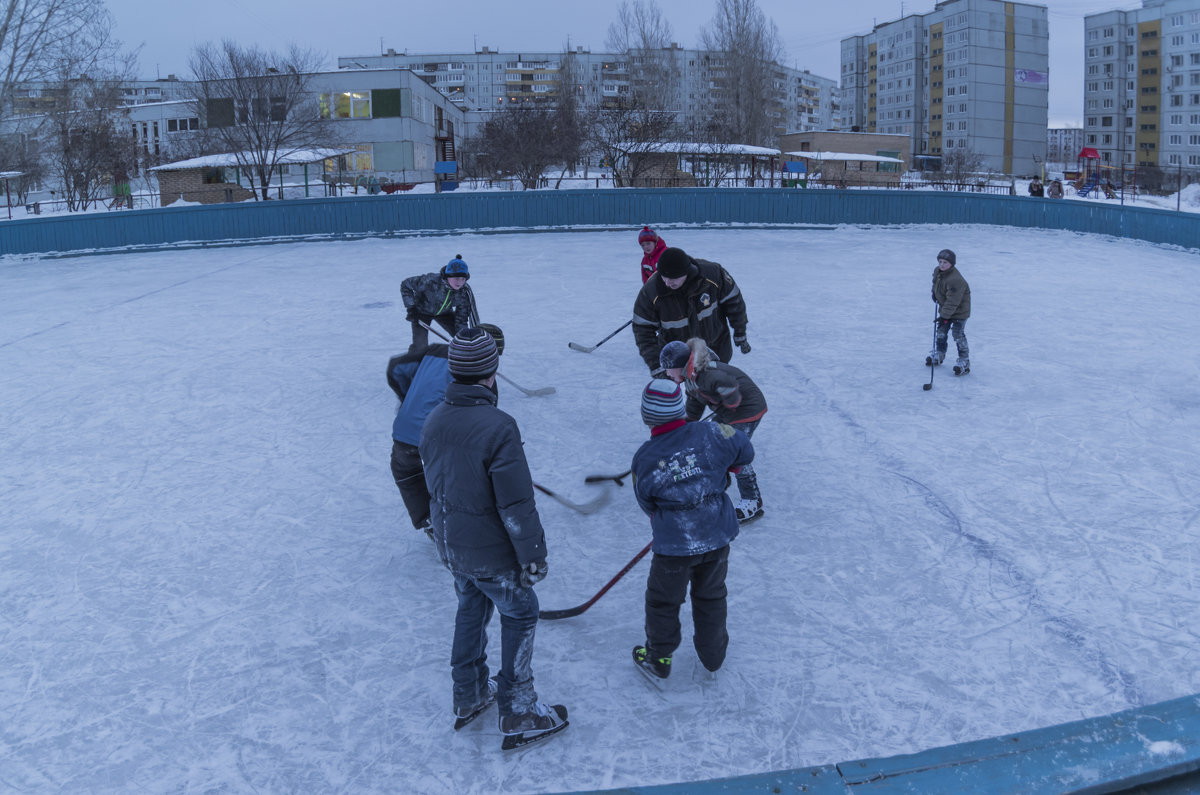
680,477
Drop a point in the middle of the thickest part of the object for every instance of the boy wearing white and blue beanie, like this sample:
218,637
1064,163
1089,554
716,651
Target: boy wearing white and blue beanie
679,480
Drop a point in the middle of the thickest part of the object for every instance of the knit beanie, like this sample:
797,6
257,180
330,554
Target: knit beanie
662,402
674,354
674,263
456,267
497,335
647,234
945,254
473,355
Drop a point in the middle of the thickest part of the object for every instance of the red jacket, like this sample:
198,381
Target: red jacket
650,261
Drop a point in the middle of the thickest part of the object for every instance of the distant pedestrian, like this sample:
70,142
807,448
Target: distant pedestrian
953,297
688,298
442,297
679,479
1055,191
1036,188
488,534
734,399
652,248
419,379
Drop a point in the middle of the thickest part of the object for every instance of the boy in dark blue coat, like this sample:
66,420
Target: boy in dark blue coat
679,478
419,379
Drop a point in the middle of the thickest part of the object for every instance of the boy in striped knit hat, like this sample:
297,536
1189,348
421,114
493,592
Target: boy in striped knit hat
679,480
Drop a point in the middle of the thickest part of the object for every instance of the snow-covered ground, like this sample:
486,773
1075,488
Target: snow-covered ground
210,583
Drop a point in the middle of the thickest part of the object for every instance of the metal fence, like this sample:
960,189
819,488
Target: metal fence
401,213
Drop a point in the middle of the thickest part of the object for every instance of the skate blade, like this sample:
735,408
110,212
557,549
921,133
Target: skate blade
752,518
654,679
513,741
460,723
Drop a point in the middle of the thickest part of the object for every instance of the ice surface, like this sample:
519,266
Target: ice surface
208,581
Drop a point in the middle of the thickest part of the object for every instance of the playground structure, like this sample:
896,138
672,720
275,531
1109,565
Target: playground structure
1095,176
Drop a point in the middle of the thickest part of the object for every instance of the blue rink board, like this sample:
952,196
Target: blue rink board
1113,753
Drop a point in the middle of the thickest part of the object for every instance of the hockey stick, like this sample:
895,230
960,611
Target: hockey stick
601,478
570,612
546,390
585,508
621,477
575,346
929,386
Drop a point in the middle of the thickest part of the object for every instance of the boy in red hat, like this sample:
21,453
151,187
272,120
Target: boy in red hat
652,247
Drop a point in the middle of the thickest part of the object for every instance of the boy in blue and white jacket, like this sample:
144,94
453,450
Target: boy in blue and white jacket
680,477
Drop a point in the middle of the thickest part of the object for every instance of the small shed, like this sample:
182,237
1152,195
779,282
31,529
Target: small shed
206,179
850,168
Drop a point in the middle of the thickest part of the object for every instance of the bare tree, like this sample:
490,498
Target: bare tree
35,35
90,150
518,141
258,105
642,35
631,138
744,50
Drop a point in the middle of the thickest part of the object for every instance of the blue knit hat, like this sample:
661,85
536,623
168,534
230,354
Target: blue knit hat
456,267
473,355
662,402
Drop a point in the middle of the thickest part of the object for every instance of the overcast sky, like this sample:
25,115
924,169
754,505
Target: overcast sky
811,31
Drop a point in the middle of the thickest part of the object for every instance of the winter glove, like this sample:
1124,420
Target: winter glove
741,343
944,322
411,315
658,372
534,572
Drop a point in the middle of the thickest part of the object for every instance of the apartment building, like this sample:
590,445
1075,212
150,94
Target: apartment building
1142,84
1063,144
488,79
970,76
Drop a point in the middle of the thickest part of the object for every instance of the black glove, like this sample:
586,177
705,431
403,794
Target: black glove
411,315
741,343
658,372
943,321
534,572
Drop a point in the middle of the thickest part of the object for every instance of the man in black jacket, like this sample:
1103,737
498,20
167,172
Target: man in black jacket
688,298
488,534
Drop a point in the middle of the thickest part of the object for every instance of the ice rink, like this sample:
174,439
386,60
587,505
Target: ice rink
208,582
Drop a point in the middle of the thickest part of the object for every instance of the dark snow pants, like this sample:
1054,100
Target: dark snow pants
666,588
958,329
421,336
410,479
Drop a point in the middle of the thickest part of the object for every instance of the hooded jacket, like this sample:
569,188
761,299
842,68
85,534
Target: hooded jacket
679,480
952,294
485,522
704,306
650,261
419,379
430,296
729,392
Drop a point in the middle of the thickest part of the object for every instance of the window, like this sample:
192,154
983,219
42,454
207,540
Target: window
1175,140
346,105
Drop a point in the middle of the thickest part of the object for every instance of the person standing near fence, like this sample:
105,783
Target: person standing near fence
652,248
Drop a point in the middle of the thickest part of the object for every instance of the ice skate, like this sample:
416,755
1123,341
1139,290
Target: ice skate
523,728
934,358
464,715
962,366
655,669
748,510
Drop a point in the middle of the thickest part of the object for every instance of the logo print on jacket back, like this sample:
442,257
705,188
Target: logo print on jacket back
682,471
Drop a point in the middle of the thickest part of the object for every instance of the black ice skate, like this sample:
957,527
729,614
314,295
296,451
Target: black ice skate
523,728
464,715
655,669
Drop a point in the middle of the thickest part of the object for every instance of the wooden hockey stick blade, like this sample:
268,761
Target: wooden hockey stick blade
546,390
584,508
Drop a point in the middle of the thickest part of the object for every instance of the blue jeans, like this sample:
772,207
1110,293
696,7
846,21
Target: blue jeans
957,327
746,479
518,607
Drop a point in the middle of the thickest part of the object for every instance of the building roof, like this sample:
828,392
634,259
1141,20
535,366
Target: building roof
694,148
853,156
230,159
